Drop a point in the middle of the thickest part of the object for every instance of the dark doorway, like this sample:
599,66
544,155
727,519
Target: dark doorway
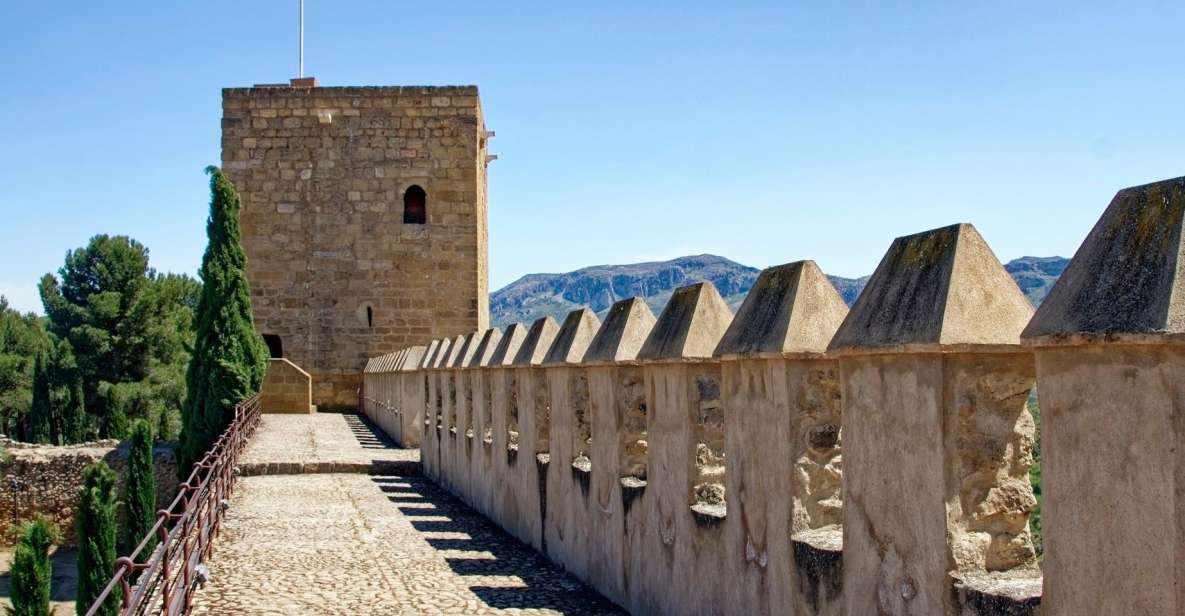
275,348
415,206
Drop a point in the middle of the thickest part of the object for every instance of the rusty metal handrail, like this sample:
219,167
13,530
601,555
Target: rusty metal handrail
185,530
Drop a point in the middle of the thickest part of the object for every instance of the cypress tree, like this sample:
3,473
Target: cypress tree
39,421
31,570
229,357
96,538
139,498
77,421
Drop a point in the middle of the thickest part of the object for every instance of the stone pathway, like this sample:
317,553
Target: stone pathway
324,443
356,543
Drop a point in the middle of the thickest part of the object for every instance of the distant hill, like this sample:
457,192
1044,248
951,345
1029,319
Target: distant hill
597,287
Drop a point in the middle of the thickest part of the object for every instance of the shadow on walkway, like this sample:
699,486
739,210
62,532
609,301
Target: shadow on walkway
490,551
368,434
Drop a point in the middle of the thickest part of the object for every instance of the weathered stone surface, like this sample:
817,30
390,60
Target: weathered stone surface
457,351
690,326
508,346
572,340
287,388
792,308
467,350
323,443
429,354
943,286
443,352
413,359
46,479
486,347
334,270
621,336
1126,278
348,544
537,342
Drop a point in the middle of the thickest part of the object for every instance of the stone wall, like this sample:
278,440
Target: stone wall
335,272
286,389
800,458
47,480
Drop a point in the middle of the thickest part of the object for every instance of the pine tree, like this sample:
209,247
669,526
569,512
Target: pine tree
96,538
139,498
39,420
229,357
31,570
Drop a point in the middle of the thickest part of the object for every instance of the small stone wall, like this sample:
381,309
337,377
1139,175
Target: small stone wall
46,479
286,389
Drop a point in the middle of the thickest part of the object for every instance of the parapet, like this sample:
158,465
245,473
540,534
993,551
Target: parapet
690,326
412,360
509,345
620,337
573,338
537,342
466,350
429,354
791,308
938,287
1126,277
486,347
442,354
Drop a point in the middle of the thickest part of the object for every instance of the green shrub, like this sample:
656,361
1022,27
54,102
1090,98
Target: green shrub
31,569
96,538
139,497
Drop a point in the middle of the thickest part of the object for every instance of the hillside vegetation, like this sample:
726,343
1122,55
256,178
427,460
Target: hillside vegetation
537,295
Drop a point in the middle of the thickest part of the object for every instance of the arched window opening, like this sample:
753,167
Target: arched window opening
370,317
275,347
415,206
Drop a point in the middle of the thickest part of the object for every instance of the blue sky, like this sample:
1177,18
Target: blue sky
764,132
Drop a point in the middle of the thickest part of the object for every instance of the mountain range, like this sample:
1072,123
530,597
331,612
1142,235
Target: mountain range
537,295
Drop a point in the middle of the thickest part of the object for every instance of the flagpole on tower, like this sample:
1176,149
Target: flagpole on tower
302,39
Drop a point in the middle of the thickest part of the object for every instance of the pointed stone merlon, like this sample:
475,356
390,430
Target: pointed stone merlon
429,355
626,326
465,349
486,347
691,325
537,342
934,386
940,287
413,358
1111,379
508,345
440,360
573,338
791,308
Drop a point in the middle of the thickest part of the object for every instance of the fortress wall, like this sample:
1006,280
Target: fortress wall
799,458
692,460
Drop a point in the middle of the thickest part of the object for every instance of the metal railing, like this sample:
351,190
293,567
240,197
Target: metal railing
164,583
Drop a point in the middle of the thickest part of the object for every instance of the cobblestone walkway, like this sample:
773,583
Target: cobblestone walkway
356,543
323,443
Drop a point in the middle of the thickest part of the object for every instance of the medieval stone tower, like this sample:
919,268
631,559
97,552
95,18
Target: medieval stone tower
363,218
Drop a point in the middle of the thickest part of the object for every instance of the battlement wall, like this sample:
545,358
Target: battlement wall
798,457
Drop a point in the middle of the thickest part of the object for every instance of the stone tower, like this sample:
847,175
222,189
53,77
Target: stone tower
363,218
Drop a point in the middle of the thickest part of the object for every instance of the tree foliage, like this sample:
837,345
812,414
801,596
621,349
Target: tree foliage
229,357
139,498
31,569
118,336
22,339
96,538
